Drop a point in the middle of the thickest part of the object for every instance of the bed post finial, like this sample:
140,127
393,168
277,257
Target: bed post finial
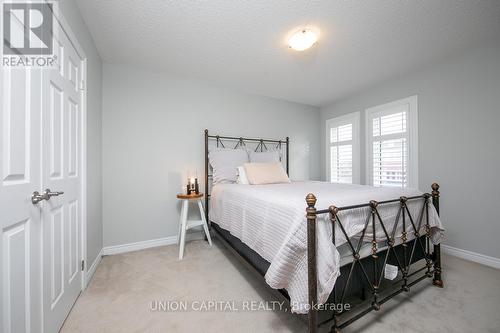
438,282
312,274
311,200
435,195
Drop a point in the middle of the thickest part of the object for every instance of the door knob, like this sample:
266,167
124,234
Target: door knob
36,197
51,194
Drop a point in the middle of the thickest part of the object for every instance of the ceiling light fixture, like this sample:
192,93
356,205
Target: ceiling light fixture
302,40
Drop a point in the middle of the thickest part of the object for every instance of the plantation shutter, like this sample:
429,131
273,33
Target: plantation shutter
341,153
342,149
390,150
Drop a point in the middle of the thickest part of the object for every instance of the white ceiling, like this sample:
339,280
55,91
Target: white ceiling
242,44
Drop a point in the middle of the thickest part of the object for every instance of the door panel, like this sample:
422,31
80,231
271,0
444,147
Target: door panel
56,130
16,274
16,126
73,231
73,128
40,147
61,215
20,278
56,260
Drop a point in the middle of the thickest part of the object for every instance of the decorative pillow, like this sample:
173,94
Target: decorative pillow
225,163
264,156
266,173
242,176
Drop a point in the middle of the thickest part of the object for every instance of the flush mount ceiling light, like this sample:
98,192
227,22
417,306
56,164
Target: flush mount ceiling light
302,40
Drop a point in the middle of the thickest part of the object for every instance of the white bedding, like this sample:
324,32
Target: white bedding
270,219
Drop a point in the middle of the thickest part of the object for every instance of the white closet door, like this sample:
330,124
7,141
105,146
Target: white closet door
20,229
41,126
61,171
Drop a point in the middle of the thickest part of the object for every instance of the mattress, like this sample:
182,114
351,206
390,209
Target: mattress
270,219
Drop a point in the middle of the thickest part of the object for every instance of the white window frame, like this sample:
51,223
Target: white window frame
354,119
411,136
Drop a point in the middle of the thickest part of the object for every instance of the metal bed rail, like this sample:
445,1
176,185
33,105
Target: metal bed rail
411,227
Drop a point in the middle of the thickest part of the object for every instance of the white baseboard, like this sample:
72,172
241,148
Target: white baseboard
91,270
116,249
472,256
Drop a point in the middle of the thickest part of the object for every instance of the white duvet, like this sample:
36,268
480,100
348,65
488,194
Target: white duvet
270,219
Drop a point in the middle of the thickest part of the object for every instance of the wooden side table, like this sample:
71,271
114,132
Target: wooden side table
186,224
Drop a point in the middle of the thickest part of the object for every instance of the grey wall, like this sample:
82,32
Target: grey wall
72,15
153,133
459,137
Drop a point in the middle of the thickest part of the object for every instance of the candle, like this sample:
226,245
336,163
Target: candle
191,188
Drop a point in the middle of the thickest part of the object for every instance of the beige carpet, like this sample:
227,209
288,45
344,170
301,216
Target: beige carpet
119,297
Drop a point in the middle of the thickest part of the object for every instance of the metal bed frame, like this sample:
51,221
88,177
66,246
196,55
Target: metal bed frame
403,254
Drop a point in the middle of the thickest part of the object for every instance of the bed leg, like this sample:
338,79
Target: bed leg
312,278
437,281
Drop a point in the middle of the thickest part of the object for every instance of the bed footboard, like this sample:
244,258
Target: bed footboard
405,258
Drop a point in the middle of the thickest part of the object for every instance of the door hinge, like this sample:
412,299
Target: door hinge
83,265
82,85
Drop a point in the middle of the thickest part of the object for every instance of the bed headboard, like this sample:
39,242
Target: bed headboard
237,142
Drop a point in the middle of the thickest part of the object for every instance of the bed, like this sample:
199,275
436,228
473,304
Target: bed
366,246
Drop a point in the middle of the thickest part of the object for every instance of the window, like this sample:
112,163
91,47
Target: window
392,144
342,151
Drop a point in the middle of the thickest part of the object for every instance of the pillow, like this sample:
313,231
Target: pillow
242,176
264,156
266,173
225,163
